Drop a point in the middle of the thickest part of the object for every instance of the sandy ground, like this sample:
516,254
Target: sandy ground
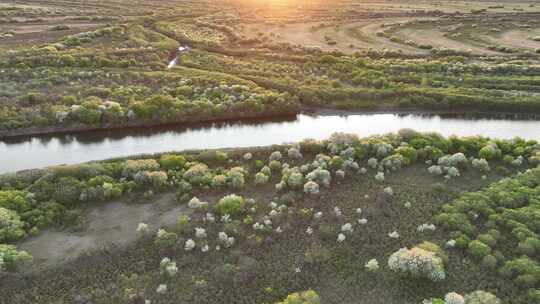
303,34
437,39
518,39
113,223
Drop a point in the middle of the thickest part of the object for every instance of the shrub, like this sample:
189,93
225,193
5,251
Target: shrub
305,297
480,164
295,180
435,170
320,176
231,204
294,153
275,165
11,226
196,173
236,177
417,262
481,297
479,249
158,178
276,155
132,167
489,152
409,154
311,187
261,178
489,261
172,162
453,298
10,257
219,180
14,200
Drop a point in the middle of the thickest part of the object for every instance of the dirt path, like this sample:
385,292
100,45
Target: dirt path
519,39
112,223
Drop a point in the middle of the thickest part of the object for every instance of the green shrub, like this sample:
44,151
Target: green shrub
490,152
172,162
10,257
487,239
11,226
305,297
479,249
231,204
489,261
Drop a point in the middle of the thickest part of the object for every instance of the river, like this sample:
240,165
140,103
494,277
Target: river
41,151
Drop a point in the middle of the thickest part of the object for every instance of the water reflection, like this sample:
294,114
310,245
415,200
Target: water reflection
34,152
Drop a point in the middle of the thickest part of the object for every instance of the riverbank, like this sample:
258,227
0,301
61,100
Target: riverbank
90,146
21,134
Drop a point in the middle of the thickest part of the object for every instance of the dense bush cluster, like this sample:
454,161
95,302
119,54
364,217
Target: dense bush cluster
501,218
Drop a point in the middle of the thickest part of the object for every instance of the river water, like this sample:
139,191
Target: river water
37,152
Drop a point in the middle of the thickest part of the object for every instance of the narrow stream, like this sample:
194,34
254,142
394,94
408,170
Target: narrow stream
37,152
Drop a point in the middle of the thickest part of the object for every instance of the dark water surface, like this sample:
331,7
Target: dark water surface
41,151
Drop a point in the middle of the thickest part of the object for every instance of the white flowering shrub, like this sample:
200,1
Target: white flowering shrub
294,153
320,176
455,160
372,163
311,187
261,178
417,262
379,176
452,172
266,171
383,149
480,164
275,156
347,227
372,265
454,298
142,229
389,191
341,237
165,238
168,267
200,233
295,179
425,227
189,245
195,203
362,221
161,289
248,156
348,154
393,235
435,170
481,297
393,162
351,165
340,174
227,241
196,173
